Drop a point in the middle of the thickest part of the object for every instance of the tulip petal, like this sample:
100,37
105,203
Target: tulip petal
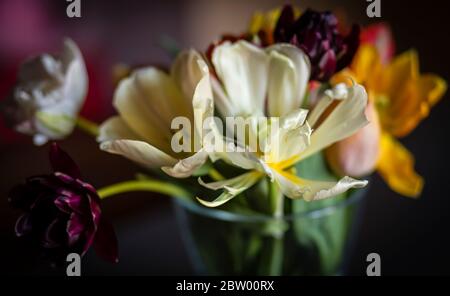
75,227
220,147
396,167
347,118
71,203
413,104
380,36
76,80
289,71
343,121
203,105
225,106
358,154
62,162
403,68
186,167
51,238
290,139
148,101
105,242
187,70
115,128
366,66
23,225
232,187
140,152
295,187
243,70
338,92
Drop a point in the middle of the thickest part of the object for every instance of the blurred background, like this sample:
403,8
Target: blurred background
412,236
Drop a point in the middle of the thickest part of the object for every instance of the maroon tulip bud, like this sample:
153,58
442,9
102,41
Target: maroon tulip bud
62,213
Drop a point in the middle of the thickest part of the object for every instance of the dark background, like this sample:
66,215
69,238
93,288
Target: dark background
412,236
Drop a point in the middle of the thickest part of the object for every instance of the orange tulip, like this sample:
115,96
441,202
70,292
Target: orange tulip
402,98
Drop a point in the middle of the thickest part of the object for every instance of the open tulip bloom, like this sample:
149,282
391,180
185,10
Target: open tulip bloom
239,121
248,77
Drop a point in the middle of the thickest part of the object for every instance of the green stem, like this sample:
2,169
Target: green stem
87,126
143,185
277,242
276,199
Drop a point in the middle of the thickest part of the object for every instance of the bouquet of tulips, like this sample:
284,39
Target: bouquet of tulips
288,117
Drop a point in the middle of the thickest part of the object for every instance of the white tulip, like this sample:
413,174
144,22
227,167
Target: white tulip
147,102
48,95
247,77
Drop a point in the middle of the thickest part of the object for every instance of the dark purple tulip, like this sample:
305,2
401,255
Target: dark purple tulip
316,33
62,213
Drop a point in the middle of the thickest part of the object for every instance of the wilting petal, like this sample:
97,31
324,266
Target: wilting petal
289,71
140,152
346,118
396,166
232,188
243,70
187,70
105,242
358,154
289,139
343,121
338,92
221,147
295,187
148,101
62,162
186,167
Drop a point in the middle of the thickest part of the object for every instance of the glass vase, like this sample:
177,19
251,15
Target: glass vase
313,240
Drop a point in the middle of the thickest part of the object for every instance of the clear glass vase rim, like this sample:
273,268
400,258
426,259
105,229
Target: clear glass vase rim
219,214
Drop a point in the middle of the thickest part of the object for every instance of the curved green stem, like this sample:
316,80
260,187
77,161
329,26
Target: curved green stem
87,126
143,185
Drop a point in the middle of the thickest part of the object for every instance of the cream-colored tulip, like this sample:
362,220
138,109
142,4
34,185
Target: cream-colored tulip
147,102
248,76
48,95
